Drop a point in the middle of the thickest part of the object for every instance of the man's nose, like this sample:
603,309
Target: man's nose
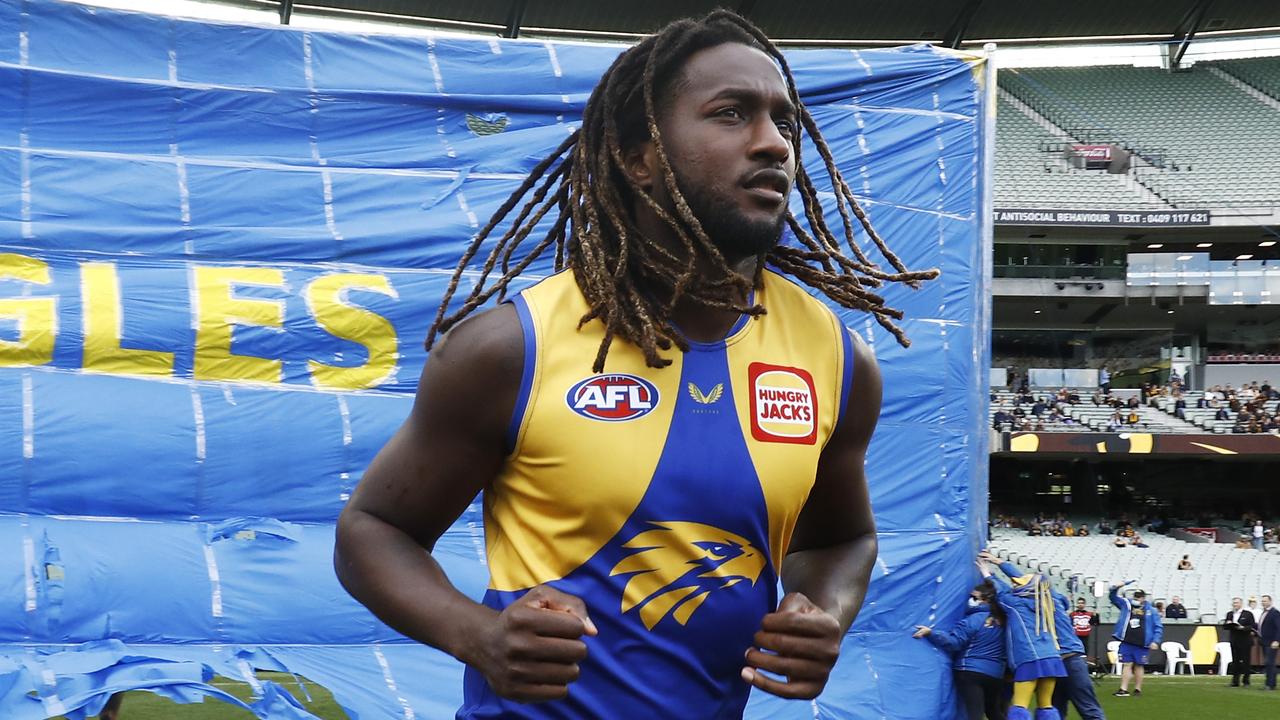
771,141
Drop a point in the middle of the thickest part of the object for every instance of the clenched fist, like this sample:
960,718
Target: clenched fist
531,652
800,641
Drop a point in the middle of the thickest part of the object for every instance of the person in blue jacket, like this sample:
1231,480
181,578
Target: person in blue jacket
1139,630
1030,641
1077,686
976,645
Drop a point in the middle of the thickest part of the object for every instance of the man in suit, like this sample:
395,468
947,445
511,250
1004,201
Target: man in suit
1240,625
1269,632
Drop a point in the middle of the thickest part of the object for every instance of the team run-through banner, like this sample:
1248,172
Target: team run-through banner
220,249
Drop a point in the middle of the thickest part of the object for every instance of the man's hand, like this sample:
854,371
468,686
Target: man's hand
531,652
922,631
1275,644
988,557
1153,646
799,641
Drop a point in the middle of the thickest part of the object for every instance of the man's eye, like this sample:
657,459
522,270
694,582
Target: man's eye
787,126
732,112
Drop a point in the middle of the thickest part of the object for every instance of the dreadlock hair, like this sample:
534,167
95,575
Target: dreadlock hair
631,282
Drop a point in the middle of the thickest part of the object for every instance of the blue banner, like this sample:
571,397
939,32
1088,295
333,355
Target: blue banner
220,250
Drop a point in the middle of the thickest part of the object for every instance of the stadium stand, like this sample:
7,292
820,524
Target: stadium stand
1221,570
1261,73
1205,141
1082,416
1263,410
1026,175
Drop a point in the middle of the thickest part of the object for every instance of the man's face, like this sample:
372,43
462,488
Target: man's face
1080,604
1177,600
728,126
1266,602
1236,604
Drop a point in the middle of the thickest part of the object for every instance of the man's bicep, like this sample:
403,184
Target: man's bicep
839,506
453,442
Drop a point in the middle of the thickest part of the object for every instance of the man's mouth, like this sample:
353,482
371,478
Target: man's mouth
769,184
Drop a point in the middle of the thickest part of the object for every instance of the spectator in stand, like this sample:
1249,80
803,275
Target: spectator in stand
1159,606
1083,531
1185,563
1136,541
1068,530
1176,610
1097,397
1104,380
1000,420
1133,403
1039,426
1104,527
1119,542
1222,414
1266,390
1115,422
1133,418
1258,533
1179,407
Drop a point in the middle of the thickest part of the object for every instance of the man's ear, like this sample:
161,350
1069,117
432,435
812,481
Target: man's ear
641,163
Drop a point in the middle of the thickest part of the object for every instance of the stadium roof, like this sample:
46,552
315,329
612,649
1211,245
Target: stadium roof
955,23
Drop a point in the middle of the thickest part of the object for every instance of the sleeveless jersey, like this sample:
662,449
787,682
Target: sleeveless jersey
664,498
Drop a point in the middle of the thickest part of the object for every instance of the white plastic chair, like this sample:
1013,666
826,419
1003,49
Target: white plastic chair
1224,657
1113,650
1176,654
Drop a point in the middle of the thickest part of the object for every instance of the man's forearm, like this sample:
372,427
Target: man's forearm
404,586
834,578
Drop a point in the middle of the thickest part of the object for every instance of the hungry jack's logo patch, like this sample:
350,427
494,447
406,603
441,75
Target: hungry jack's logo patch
784,406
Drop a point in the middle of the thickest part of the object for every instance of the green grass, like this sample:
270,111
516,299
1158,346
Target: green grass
1204,697
142,705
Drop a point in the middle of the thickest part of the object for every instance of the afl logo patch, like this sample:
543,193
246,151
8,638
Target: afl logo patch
784,405
612,398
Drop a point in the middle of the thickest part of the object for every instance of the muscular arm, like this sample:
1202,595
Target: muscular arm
834,545
448,449
833,548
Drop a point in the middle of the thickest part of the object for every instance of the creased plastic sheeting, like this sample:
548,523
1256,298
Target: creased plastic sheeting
220,250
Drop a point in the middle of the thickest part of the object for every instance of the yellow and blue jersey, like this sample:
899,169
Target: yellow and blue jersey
664,498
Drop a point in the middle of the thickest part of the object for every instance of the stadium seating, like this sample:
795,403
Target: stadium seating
1204,417
1027,176
1261,73
1221,571
1218,145
1087,417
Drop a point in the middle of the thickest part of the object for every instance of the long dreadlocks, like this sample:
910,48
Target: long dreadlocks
630,282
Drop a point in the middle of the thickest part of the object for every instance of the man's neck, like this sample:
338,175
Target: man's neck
701,323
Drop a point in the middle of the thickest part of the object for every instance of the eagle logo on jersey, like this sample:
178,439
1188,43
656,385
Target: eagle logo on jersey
678,565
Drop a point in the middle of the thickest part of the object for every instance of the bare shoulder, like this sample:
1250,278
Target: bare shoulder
474,370
862,410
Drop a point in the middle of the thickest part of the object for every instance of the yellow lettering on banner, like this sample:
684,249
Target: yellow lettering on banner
217,312
103,328
37,317
326,298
